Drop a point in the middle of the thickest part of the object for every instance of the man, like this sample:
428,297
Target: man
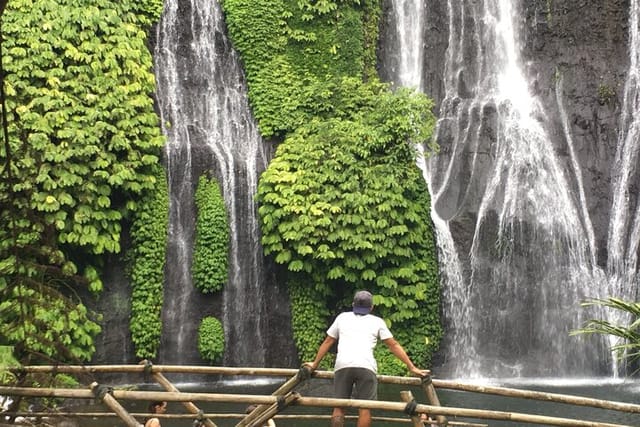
357,333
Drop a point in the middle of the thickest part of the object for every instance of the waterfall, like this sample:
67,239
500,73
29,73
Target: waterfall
512,286
206,117
624,223
624,226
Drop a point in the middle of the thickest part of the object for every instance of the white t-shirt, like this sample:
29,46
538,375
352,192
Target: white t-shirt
357,336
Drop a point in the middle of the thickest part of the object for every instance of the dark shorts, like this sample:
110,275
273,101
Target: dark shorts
356,383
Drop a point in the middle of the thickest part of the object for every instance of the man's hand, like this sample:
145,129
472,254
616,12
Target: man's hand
312,365
420,372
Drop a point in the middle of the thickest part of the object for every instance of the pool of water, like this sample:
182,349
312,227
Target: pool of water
622,391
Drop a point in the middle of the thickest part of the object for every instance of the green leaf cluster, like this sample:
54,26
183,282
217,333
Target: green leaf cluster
292,48
42,322
309,316
627,348
147,261
83,139
7,361
344,203
210,264
211,339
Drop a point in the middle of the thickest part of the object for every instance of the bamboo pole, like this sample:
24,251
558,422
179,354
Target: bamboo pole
309,401
303,374
407,397
113,404
432,396
383,379
538,395
288,399
224,415
164,382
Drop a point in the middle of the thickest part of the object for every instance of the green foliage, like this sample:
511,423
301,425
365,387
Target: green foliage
7,361
83,126
44,323
308,318
83,137
344,203
606,95
149,235
211,339
290,46
628,346
210,264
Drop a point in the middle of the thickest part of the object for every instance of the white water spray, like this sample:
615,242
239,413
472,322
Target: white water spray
205,115
511,296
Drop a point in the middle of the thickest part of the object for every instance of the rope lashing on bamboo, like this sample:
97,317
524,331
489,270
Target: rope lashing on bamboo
148,367
281,404
304,373
426,380
105,394
410,409
100,391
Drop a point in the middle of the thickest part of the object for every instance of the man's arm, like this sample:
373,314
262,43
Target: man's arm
322,351
398,351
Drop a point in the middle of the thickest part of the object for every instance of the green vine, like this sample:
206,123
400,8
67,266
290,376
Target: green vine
83,138
210,264
289,46
149,239
344,203
211,341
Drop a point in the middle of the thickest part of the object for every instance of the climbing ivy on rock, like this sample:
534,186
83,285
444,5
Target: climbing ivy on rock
289,46
149,241
210,264
83,138
343,205
211,340
308,315
344,202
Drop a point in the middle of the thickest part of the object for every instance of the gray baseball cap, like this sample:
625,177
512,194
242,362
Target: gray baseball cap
362,302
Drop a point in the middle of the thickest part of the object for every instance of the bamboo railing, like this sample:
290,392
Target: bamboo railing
271,406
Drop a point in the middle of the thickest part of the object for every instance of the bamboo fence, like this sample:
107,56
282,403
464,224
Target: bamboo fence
285,396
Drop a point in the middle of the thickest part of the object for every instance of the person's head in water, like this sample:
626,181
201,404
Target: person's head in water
155,408
159,407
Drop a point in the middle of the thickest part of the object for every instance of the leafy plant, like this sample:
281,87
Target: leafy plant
45,324
210,264
628,346
289,46
149,238
82,140
211,339
7,361
344,203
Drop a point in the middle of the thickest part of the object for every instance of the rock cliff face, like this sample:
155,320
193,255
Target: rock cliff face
586,44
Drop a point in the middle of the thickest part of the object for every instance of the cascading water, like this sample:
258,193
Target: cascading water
624,223
513,286
624,226
206,117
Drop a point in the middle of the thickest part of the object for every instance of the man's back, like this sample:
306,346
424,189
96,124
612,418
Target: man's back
357,336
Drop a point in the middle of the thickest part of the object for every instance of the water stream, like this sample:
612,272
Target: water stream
206,117
512,287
